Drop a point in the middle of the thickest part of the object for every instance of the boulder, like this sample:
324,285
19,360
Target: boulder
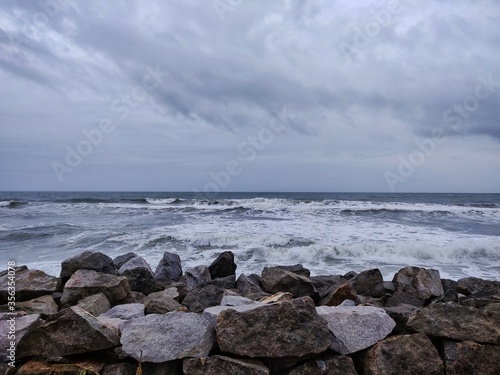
468,357
456,322
127,311
139,275
297,269
369,283
228,282
237,301
70,331
202,297
403,354
113,324
95,304
22,326
286,329
166,337
195,276
223,266
449,296
369,301
212,313
400,297
337,294
134,297
326,282
44,305
30,284
400,314
277,297
470,285
276,280
84,283
122,259
220,365
161,304
356,327
169,269
250,285
328,365
449,285
480,299
421,282
39,367
88,260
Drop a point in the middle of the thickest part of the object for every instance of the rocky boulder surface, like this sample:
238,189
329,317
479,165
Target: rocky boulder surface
88,260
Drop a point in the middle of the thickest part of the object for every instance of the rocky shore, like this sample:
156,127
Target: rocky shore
119,317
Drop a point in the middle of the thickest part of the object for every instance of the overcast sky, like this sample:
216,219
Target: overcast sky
241,95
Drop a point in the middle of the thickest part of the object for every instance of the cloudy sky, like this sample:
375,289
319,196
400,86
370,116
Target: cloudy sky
246,95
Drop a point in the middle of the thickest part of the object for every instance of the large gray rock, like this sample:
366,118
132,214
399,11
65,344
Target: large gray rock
88,260
29,284
469,285
167,337
14,330
70,331
276,280
329,365
212,313
120,260
250,285
202,297
139,275
369,283
403,354
195,276
356,327
84,283
421,282
286,329
127,311
44,305
223,266
169,269
161,303
456,322
95,304
468,357
220,365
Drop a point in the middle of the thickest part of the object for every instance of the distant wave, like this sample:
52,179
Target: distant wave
13,204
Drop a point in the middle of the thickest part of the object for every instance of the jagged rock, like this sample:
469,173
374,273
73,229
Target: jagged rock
223,266
369,301
157,303
449,296
297,269
275,280
30,284
326,282
250,285
84,283
44,305
120,369
139,275
480,299
167,337
39,367
169,269
337,294
470,285
277,297
449,285
202,297
228,282
369,283
456,322
126,312
195,276
356,327
420,282
122,259
70,331
18,326
328,365
220,365
134,297
113,324
237,301
400,297
88,260
212,313
468,357
400,314
95,304
297,330
403,354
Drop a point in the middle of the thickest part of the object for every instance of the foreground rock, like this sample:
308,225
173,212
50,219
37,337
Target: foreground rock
88,260
468,357
202,297
29,284
328,365
420,282
406,354
356,327
297,330
275,280
220,365
162,338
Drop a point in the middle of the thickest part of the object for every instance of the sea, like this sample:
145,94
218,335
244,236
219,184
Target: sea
329,233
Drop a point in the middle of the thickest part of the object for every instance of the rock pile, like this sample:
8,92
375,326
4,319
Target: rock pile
108,316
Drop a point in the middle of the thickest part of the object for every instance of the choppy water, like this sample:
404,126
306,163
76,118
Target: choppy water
459,234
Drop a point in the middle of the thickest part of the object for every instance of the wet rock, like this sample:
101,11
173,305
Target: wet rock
337,294
420,282
39,367
139,275
122,259
95,304
457,322
297,269
470,285
468,357
126,311
22,325
30,284
328,365
88,260
220,365
286,329
356,328
167,337
169,269
202,297
70,331
275,280
403,354
400,314
369,283
223,266
400,297
277,297
44,305
84,283
199,275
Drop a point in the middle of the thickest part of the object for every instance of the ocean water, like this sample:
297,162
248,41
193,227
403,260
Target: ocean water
329,233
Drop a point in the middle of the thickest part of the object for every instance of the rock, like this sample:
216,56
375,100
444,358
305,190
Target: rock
277,297
449,296
139,275
22,326
220,365
170,292
126,312
195,276
369,301
468,357
30,284
237,301
286,329
369,283
113,324
228,282
166,368
212,313
88,260
275,280
357,327
420,282
122,259
329,365
297,269
449,285
250,285
84,283
350,275
160,304
95,304
167,337
400,314
202,297
480,299
70,331
223,266
134,297
456,322
403,354
338,293
400,297
470,285
169,268
39,367
389,287
44,305
120,368
326,282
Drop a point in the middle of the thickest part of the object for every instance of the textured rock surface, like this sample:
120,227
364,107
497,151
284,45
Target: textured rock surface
400,314
250,285
298,269
88,260
169,268
139,275
202,297
456,322
23,325
220,365
278,330
95,304
44,305
30,284
195,276
122,259
470,285
212,313
337,294
405,354
420,282
277,297
356,327
369,283
325,366
275,280
161,304
167,337
400,297
223,266
127,311
468,357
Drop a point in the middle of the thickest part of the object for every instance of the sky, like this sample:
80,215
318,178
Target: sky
241,95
